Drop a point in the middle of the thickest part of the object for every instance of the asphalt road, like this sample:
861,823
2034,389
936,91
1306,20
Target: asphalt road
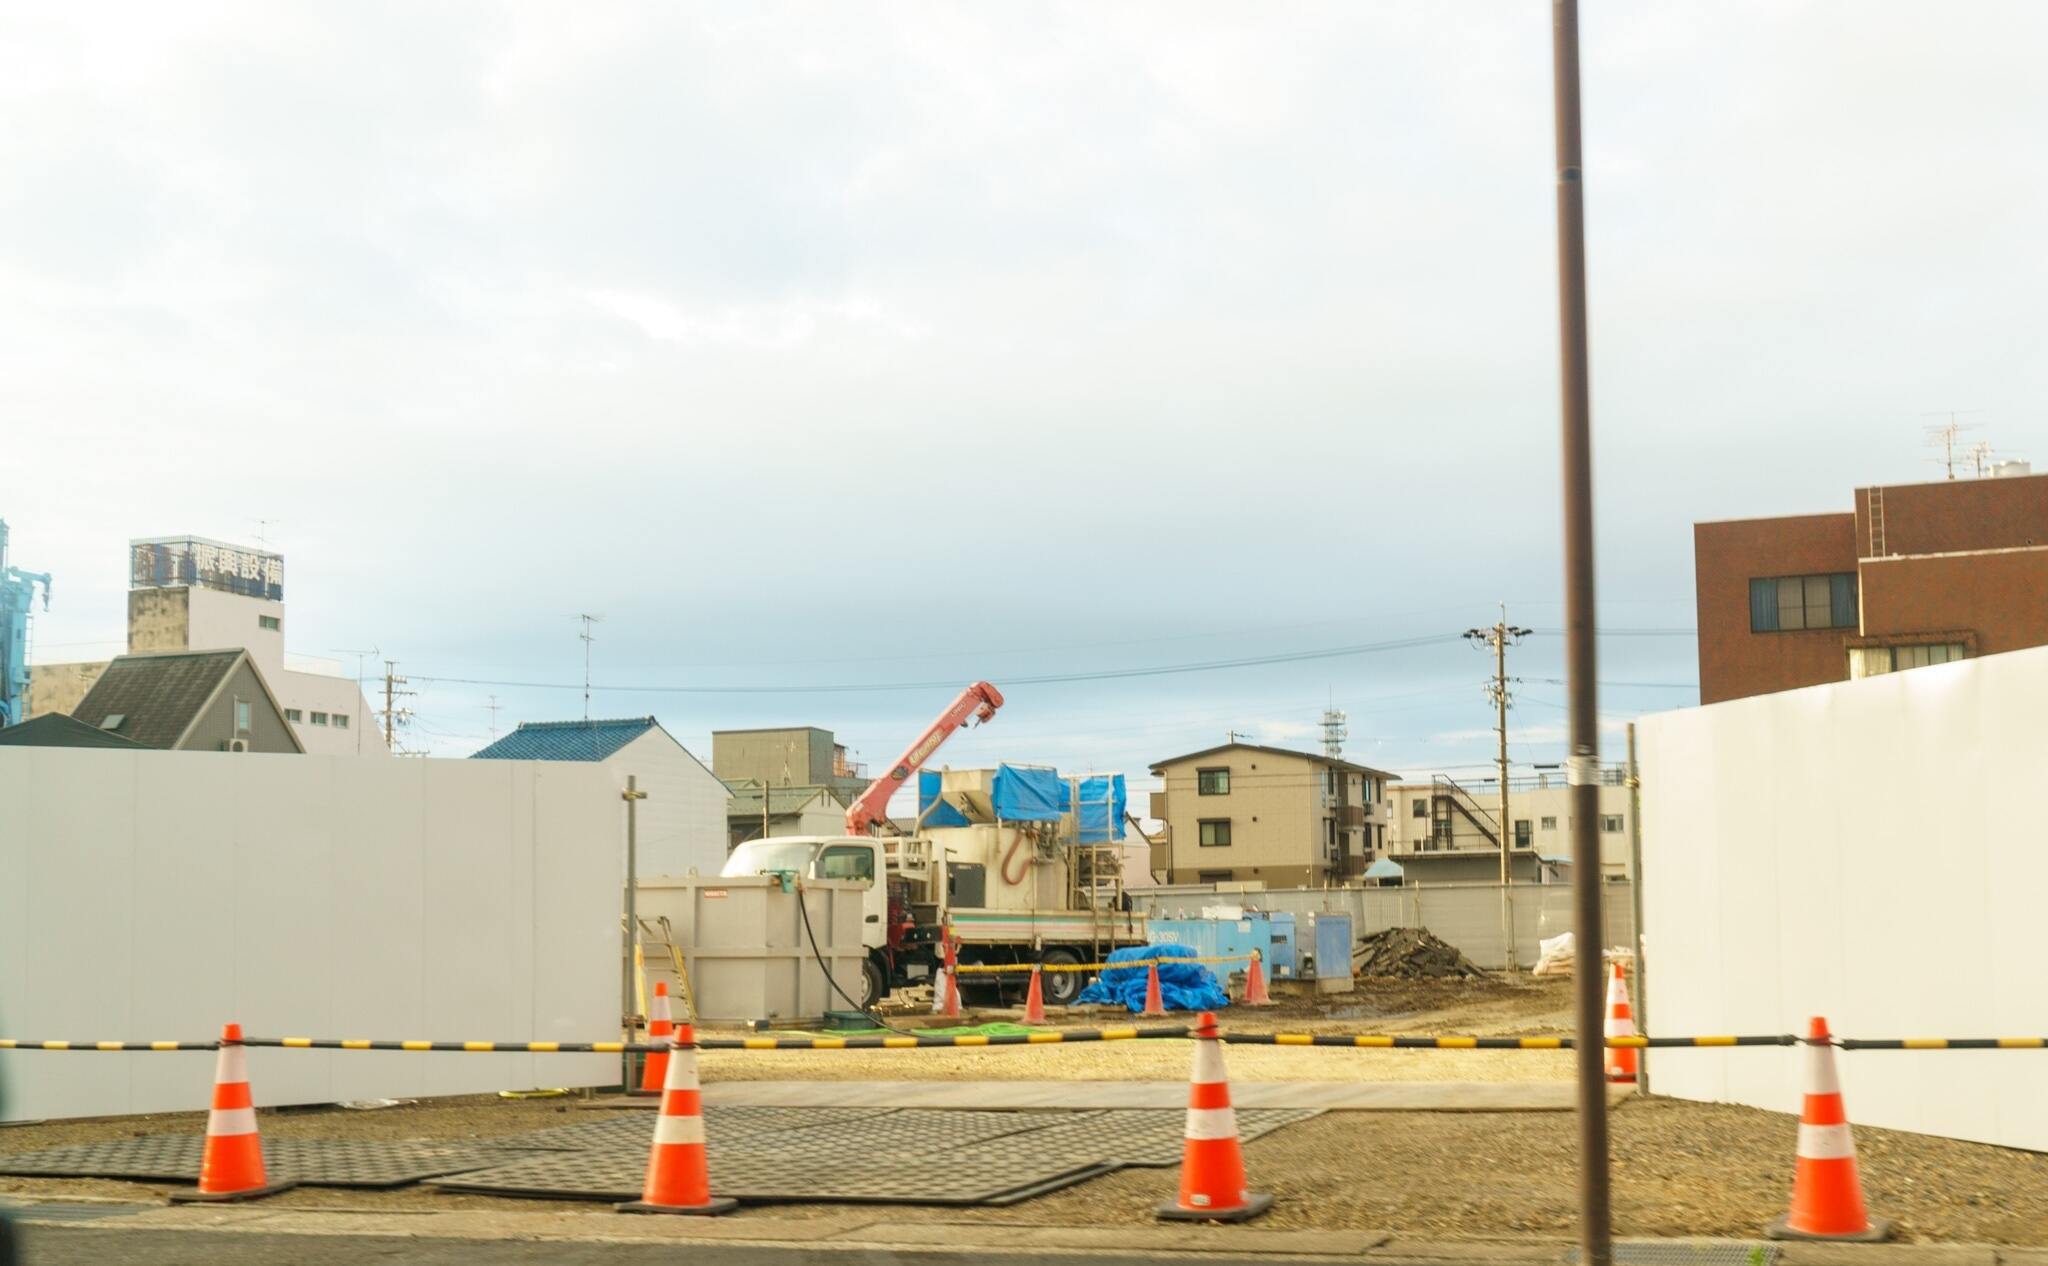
98,1245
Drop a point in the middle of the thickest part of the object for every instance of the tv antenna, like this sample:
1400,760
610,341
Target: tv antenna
588,637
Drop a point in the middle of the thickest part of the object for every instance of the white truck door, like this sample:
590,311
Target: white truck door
861,860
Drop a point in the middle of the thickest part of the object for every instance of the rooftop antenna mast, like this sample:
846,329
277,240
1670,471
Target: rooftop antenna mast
1944,437
588,637
492,708
1334,732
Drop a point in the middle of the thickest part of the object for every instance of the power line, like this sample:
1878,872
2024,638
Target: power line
1042,679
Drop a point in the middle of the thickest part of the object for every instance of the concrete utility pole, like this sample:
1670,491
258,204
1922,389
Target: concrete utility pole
393,715
1582,768
1500,637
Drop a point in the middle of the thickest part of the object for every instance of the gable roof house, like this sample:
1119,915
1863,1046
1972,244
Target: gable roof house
54,729
680,826
188,701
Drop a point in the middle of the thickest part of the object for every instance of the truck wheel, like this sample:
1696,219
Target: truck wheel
1061,987
873,984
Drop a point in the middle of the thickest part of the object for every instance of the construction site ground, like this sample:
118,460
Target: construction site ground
1680,1169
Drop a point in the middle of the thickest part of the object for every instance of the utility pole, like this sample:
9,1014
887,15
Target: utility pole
1500,637
588,637
1582,767
393,715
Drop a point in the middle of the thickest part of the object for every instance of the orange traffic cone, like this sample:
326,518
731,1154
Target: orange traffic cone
1621,1022
1034,1000
1827,1193
231,1166
677,1179
1212,1164
949,997
1255,983
654,1072
1154,1003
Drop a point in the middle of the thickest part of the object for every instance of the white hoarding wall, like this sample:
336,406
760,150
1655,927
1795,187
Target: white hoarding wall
1466,915
156,895
1871,852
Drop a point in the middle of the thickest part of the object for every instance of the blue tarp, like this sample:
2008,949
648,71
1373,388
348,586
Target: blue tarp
1028,795
1182,986
1101,812
932,810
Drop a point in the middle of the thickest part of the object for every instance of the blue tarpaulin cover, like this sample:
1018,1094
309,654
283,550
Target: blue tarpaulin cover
1023,794
1182,986
1101,813
930,808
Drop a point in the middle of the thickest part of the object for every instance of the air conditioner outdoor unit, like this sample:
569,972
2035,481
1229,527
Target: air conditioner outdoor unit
235,745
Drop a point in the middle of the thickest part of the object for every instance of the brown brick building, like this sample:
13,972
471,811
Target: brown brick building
1914,574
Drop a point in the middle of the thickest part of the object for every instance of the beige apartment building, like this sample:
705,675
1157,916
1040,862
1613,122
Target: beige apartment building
1445,831
1244,812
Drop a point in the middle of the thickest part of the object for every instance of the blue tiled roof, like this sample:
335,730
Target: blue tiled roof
567,740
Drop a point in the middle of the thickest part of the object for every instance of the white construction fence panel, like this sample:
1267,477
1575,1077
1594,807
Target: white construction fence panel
1870,852
1465,915
158,895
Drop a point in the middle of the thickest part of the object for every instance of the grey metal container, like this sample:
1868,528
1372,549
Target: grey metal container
744,944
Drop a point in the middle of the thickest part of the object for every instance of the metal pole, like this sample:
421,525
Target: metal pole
1583,768
1500,699
1635,892
627,1002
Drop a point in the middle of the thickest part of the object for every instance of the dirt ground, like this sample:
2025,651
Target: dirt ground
1680,1168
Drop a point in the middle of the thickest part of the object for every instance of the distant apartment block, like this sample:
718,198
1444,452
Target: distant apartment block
1915,574
1445,831
1244,812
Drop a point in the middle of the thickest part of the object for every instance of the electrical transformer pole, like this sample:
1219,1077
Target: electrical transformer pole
1500,637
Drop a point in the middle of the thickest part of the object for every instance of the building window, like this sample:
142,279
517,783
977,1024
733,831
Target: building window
294,715
1215,832
1420,809
1611,823
1872,661
270,622
1212,876
1550,824
1789,603
241,716
319,718
1525,834
341,720
1212,782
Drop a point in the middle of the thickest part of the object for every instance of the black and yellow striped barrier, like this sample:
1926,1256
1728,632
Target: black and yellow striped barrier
1942,1043
1050,1037
1385,1041
1024,969
29,1044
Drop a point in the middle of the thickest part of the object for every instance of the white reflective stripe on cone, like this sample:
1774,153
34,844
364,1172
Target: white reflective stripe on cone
1826,1142
1820,1071
1208,1062
682,1070
231,1121
1623,1027
678,1130
1211,1123
233,1066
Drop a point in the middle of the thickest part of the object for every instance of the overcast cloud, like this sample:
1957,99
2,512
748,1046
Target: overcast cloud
872,343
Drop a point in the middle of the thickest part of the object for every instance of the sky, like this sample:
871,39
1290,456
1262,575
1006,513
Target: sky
861,351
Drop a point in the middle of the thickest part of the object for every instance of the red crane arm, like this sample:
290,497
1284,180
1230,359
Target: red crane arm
976,703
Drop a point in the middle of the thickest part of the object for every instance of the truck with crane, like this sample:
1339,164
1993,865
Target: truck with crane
1015,864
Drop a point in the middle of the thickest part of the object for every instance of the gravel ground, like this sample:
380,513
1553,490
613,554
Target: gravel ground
1680,1168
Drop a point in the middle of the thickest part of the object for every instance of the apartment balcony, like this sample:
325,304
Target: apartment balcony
1350,816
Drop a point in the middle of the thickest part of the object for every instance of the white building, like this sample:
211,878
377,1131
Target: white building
187,593
680,826
1443,819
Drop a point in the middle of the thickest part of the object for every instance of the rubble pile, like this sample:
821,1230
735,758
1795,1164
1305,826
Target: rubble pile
1410,954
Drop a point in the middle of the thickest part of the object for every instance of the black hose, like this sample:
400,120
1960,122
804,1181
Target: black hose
817,954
